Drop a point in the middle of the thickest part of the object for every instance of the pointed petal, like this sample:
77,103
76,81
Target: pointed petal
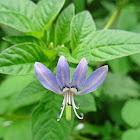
63,72
80,74
94,80
46,78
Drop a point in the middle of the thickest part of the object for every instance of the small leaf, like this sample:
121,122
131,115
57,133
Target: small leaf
81,29
111,44
46,12
44,119
30,94
19,59
131,113
118,87
63,25
17,21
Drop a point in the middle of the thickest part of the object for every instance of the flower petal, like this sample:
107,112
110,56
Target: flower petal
94,80
63,72
46,78
80,74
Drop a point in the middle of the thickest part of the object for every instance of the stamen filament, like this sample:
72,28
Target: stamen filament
62,108
74,108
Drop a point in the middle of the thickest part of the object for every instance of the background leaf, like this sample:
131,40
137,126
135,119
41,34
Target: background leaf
46,12
15,84
111,44
25,7
63,25
82,27
119,87
17,21
19,59
131,113
30,94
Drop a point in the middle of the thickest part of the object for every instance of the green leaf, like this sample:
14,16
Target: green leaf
118,87
17,130
77,54
13,84
87,102
46,12
25,7
24,39
82,27
30,94
17,21
120,65
63,25
111,44
131,113
131,134
65,52
44,119
19,59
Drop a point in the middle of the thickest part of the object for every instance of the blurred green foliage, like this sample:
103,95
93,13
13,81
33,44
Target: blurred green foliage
111,113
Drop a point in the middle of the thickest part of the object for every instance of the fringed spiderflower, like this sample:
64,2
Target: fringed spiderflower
62,80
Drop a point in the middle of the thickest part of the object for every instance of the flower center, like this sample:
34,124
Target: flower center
68,101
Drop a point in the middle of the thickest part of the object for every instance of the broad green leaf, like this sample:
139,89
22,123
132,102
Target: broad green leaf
118,87
25,7
19,59
120,65
131,113
63,25
136,58
131,134
46,12
24,39
87,102
44,119
30,94
82,27
111,44
13,85
17,130
17,21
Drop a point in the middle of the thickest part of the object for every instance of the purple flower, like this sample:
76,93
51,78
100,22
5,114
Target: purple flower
62,80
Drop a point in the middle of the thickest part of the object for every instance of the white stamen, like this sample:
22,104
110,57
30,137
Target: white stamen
62,108
69,98
67,94
75,109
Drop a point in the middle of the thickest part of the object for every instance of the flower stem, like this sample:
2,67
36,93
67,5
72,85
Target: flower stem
15,117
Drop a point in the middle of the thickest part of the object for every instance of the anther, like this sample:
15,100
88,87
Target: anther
81,114
79,105
58,117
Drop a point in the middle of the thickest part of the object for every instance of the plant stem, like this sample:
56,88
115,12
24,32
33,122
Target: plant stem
114,15
15,117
